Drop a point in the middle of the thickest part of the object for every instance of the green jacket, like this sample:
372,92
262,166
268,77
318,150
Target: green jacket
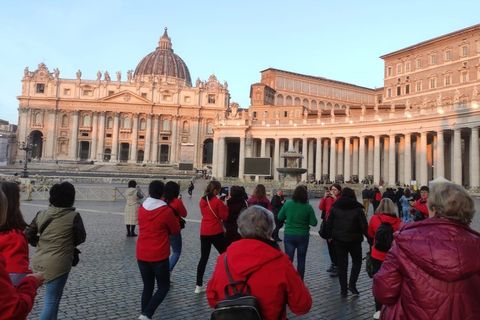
298,217
54,252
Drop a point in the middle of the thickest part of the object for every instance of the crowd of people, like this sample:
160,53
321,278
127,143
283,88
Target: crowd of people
424,255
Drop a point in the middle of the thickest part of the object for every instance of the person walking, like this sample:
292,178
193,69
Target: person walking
419,207
271,276
171,196
156,222
13,243
214,213
347,225
278,200
133,196
191,187
331,195
376,197
259,197
16,301
236,204
405,203
366,198
63,231
432,270
386,213
298,215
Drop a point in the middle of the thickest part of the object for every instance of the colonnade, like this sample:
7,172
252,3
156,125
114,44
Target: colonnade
388,159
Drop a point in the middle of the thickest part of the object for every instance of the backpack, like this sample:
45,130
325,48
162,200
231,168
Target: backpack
378,196
238,304
384,237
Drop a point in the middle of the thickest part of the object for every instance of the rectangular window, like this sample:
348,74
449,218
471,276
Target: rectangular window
111,92
389,92
144,95
464,76
448,55
87,92
448,79
433,59
66,92
407,89
109,135
399,68
389,71
186,99
211,98
407,66
418,63
167,97
399,91
40,88
433,83
464,51
285,114
418,86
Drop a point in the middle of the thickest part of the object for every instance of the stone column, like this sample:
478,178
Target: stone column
215,157
340,154
391,161
173,158
401,160
305,157
457,156
333,158
346,172
221,158
325,157
376,160
384,161
276,158
311,154
154,155
134,137
418,155
423,159
361,158
50,143
370,156
440,153
408,158
241,160
72,155
196,142
148,140
100,137
318,160
93,151
355,157
116,118
263,147
474,161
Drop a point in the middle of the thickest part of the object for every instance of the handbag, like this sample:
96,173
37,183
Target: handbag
76,256
181,220
32,232
323,230
369,264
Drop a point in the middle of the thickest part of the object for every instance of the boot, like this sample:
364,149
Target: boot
128,230
132,233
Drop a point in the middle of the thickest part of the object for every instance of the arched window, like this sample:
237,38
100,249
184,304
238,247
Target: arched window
209,128
86,120
109,123
306,104
321,105
166,125
288,101
279,100
143,124
126,123
64,121
313,104
297,101
186,126
37,118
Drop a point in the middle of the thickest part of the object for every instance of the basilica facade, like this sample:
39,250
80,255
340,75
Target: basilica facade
422,124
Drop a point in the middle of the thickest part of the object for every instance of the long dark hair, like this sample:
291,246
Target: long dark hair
211,187
259,193
171,191
14,215
349,193
300,194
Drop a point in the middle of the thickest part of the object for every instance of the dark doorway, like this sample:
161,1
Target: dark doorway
207,154
124,152
140,156
84,150
164,153
233,152
107,155
36,141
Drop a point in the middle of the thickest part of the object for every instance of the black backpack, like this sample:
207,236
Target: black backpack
384,237
238,304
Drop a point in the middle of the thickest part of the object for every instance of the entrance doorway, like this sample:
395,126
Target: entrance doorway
84,150
207,154
233,152
36,141
124,151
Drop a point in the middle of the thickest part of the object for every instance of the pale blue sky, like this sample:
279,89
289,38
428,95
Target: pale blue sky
340,40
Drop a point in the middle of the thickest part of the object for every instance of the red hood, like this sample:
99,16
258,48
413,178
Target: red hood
394,221
444,249
244,258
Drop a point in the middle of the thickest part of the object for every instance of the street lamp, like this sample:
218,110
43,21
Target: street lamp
27,147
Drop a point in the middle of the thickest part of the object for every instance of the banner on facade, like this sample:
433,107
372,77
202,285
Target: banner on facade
258,166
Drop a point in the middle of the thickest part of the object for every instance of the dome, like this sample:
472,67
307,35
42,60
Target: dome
164,62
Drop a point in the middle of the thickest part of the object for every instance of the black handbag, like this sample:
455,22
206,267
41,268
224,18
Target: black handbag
76,256
32,232
369,264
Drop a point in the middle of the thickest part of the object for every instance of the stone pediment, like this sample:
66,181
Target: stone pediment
125,97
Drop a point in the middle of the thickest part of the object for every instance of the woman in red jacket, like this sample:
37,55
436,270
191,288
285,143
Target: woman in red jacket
15,302
271,276
386,212
214,212
13,243
432,270
156,222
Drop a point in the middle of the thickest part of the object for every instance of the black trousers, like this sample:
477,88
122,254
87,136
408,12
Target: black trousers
219,242
377,264
342,250
331,252
278,226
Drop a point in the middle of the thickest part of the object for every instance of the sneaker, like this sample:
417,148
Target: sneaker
199,289
353,290
143,317
376,315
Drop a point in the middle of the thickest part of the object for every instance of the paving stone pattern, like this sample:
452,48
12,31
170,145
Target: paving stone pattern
107,285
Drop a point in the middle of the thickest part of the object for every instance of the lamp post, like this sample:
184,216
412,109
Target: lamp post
27,147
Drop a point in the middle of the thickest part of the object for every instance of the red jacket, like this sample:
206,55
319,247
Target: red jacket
273,279
252,201
14,247
431,272
156,222
326,204
375,222
16,302
212,222
177,204
421,205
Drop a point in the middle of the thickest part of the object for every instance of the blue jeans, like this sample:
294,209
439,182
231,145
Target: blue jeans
176,244
150,272
53,294
299,243
406,215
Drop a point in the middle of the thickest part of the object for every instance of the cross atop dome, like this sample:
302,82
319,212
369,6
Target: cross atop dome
165,42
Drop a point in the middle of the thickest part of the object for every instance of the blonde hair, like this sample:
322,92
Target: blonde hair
449,200
3,208
387,206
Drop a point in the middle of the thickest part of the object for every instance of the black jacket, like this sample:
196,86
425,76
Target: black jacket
347,222
277,203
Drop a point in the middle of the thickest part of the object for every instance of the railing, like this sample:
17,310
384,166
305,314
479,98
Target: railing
90,193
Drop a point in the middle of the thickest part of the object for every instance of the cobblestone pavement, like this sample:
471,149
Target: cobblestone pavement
107,285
